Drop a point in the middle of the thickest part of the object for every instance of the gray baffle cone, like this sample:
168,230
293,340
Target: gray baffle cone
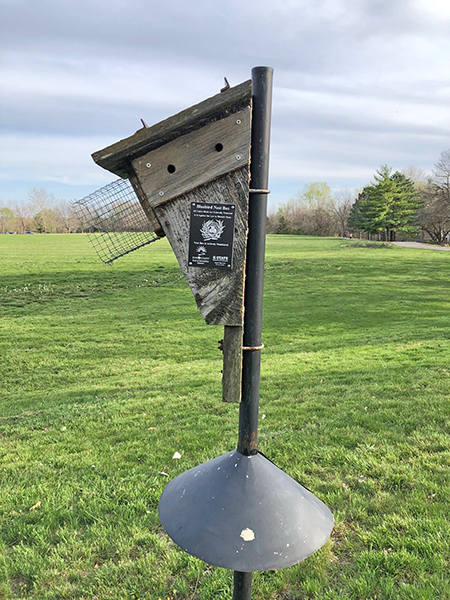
243,513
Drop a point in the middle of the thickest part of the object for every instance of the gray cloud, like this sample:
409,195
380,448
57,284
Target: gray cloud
356,83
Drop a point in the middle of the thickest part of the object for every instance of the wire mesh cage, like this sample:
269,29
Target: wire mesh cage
114,220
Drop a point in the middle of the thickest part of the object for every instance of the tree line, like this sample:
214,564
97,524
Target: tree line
404,202
41,212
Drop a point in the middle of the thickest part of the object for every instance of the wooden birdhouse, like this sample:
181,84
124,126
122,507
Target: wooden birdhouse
191,174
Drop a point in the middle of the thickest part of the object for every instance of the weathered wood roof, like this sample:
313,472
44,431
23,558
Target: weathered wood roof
117,157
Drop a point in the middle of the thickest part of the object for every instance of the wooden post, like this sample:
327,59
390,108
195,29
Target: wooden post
232,364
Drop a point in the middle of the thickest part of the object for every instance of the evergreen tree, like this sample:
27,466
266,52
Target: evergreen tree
403,209
389,205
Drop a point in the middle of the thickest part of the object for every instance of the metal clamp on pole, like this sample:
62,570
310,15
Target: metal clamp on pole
259,191
253,347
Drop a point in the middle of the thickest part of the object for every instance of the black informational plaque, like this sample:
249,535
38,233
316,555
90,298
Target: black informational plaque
211,234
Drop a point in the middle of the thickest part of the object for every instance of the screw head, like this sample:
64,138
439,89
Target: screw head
148,165
238,157
161,193
238,121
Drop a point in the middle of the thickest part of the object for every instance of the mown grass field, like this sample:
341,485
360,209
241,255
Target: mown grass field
106,372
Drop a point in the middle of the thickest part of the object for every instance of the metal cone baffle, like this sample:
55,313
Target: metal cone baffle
243,513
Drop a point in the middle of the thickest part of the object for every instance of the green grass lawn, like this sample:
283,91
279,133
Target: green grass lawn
106,372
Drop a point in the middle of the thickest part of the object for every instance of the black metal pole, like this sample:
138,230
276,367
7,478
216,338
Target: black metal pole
254,281
256,244
242,586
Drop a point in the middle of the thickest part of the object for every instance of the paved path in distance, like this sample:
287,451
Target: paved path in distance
419,245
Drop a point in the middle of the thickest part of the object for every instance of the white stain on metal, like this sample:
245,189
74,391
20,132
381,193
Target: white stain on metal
247,535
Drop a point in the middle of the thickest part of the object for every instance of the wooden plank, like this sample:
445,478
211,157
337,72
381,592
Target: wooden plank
219,293
116,158
195,158
155,225
232,364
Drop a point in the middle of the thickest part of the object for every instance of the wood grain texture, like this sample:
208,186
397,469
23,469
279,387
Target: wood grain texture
149,212
116,158
219,294
195,158
232,364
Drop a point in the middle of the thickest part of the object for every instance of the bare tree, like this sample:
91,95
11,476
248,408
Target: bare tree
315,209
415,174
23,212
441,176
6,219
434,216
43,204
342,206
66,220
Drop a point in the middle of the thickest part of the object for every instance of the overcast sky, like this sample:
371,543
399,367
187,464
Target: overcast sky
357,83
